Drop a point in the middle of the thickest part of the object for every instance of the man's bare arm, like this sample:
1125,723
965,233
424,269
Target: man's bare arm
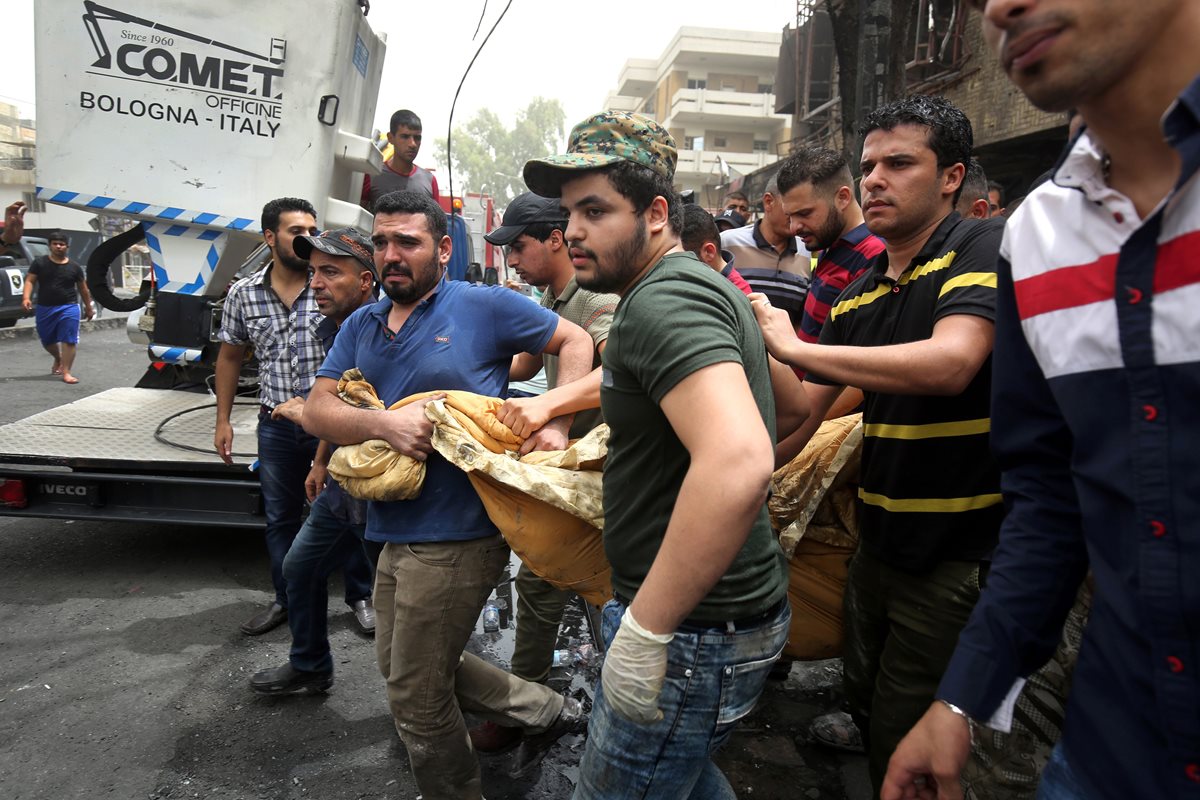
229,365
943,364
27,297
820,398
715,417
791,402
331,419
524,366
574,349
86,296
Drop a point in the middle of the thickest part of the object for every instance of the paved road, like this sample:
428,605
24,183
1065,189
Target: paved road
122,673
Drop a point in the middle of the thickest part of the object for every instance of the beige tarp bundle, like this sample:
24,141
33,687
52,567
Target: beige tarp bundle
548,505
813,505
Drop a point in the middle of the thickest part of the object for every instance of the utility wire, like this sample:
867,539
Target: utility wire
450,125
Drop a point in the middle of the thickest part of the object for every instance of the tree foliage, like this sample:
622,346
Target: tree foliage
489,157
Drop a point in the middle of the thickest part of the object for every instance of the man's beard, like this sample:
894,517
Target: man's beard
828,234
292,261
422,279
619,267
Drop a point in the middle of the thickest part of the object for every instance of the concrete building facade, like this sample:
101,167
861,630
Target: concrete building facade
714,91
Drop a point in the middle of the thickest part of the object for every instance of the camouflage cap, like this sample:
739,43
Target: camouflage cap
600,140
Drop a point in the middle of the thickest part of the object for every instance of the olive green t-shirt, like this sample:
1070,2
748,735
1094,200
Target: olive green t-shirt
680,318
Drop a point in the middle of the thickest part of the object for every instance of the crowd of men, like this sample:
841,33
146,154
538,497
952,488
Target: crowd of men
1022,379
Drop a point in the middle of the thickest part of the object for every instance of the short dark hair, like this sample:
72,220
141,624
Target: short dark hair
406,202
823,167
699,229
542,230
950,135
999,189
640,185
404,119
57,236
272,210
975,184
737,195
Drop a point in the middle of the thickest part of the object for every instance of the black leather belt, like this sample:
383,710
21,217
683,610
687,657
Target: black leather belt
728,626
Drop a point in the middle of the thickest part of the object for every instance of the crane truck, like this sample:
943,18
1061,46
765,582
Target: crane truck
184,119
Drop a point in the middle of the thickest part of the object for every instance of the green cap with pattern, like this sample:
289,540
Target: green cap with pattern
602,139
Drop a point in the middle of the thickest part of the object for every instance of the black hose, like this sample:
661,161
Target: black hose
97,271
161,438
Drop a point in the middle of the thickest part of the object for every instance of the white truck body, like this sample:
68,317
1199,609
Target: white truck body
186,118
190,116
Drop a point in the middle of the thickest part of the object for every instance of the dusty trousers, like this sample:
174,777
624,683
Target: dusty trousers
539,613
901,629
428,596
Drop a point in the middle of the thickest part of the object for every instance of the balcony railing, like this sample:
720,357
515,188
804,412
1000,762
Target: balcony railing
716,103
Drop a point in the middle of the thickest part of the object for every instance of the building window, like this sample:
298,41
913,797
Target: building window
761,146
648,108
697,83
720,141
766,88
730,86
693,142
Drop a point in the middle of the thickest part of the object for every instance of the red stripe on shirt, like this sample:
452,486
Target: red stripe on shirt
1176,266
1178,263
1067,287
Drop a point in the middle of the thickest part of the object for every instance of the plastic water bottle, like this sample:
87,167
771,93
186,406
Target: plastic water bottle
491,617
584,655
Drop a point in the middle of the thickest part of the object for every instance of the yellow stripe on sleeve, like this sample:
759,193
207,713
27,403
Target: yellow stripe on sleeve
968,279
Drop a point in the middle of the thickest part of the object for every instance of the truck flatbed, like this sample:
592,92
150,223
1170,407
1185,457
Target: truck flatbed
133,454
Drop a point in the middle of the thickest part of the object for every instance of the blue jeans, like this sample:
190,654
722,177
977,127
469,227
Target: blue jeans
285,454
714,678
325,542
1058,780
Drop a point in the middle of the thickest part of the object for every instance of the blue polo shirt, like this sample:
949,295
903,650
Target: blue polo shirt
461,337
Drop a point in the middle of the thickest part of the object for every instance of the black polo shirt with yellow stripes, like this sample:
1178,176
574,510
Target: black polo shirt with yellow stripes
929,489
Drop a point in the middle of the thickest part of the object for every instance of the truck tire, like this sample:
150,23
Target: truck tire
97,272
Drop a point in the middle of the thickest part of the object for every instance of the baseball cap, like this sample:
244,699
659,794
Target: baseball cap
729,219
338,242
600,140
525,210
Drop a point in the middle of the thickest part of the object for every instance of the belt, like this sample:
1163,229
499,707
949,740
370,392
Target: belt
691,625
263,408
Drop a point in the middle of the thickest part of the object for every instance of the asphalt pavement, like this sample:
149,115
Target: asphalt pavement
123,673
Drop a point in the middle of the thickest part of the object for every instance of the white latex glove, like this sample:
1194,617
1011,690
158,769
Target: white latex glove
634,668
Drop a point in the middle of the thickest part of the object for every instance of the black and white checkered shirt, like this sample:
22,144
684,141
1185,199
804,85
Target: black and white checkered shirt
286,342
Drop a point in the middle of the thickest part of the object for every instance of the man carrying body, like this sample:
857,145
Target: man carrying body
532,232
343,278
700,582
1095,391
400,172
770,258
60,285
275,310
442,556
914,332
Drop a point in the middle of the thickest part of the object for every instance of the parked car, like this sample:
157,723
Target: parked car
14,263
